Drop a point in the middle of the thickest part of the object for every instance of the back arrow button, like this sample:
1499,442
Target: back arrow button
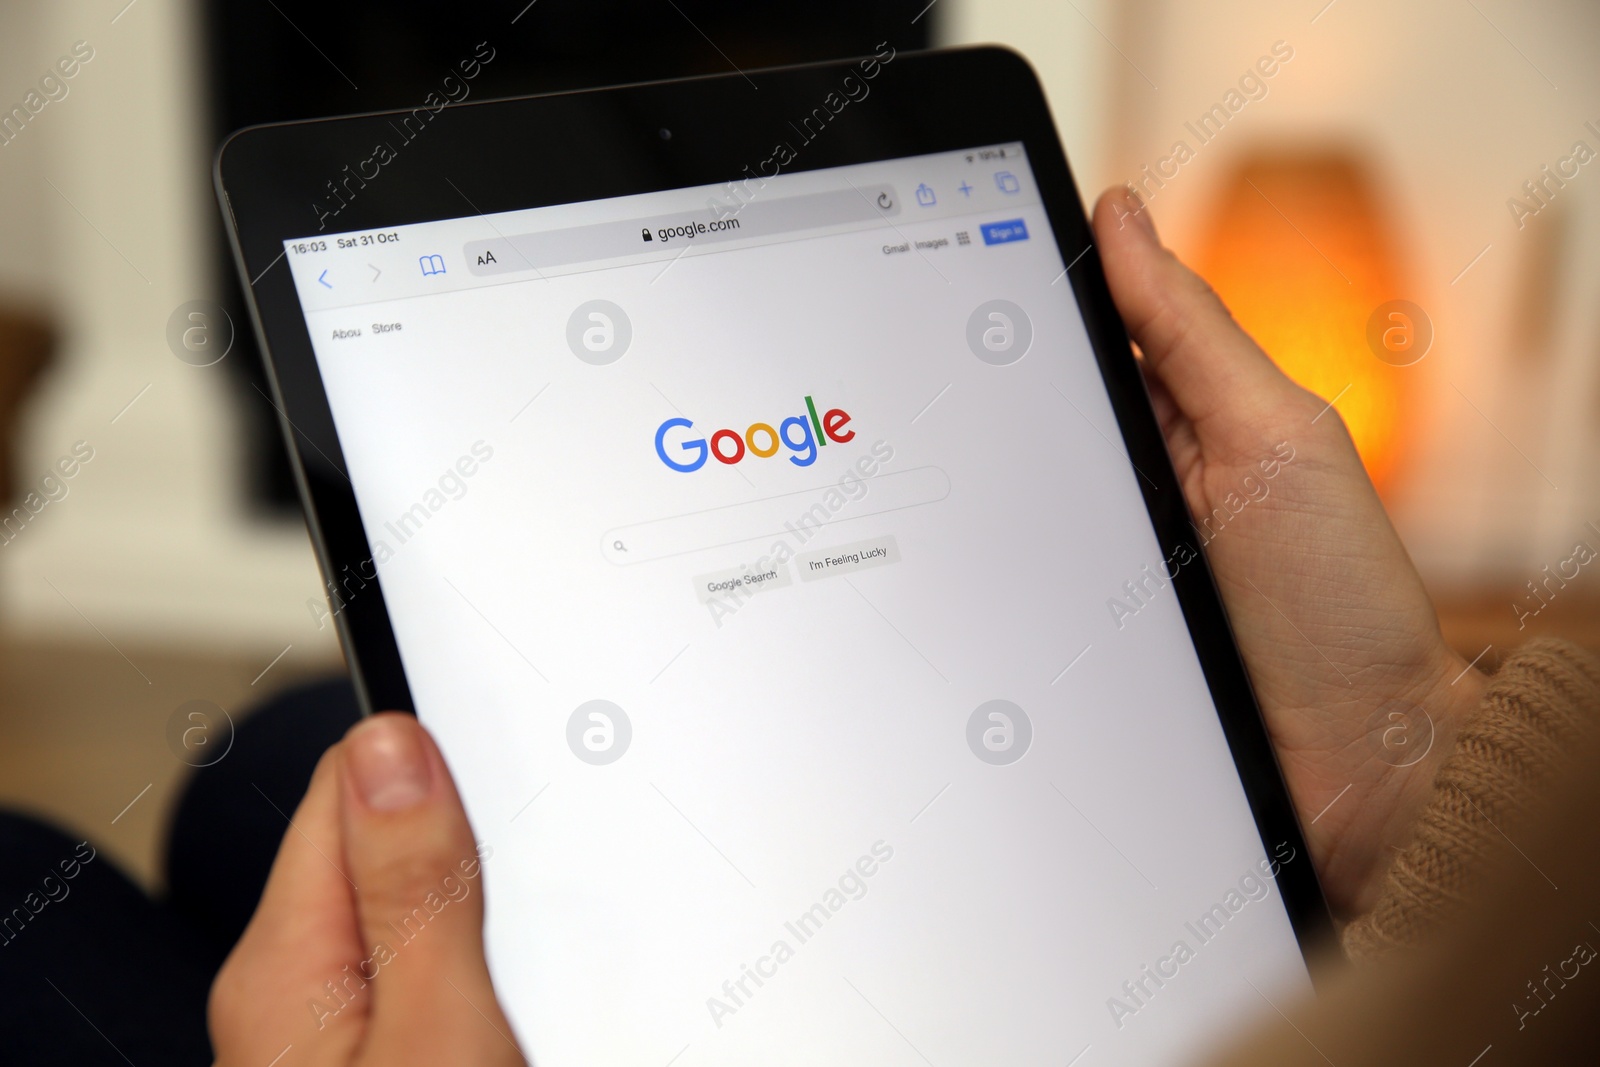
323,278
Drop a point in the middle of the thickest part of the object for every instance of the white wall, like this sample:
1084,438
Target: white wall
153,542
1454,106
23,234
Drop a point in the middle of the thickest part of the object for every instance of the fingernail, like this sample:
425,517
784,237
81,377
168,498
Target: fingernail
387,763
1138,211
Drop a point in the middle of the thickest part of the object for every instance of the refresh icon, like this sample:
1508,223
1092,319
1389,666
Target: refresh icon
885,201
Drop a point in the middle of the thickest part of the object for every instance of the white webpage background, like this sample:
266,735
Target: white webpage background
770,753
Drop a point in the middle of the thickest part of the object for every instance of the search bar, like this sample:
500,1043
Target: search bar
809,510
633,237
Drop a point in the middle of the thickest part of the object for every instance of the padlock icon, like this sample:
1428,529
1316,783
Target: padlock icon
645,233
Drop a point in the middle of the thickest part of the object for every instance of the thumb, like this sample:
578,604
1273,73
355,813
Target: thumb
419,901
1190,342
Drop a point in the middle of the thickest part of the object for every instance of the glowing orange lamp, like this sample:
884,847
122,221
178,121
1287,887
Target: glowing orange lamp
1300,252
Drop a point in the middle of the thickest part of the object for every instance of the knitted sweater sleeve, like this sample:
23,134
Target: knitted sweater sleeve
1542,702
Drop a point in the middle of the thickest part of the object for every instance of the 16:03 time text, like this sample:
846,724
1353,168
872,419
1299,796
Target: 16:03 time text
302,248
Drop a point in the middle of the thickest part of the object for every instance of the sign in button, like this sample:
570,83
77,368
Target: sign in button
847,559
999,233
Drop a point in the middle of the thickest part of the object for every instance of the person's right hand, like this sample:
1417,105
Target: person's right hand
367,946
1329,611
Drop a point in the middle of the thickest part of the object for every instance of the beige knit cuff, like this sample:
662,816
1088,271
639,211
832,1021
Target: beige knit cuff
1543,701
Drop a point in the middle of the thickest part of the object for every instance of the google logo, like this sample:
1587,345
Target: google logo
800,434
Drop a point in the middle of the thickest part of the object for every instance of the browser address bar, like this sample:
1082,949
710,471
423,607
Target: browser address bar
803,514
632,237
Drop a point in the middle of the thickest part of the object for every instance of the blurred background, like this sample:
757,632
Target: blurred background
1401,201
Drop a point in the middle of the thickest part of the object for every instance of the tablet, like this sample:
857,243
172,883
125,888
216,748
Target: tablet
749,482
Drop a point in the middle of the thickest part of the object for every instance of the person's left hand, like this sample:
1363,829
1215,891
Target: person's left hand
367,947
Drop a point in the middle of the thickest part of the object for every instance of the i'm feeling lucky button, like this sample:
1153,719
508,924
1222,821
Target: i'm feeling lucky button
847,559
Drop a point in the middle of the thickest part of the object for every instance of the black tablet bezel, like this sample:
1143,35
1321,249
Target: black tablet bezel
506,155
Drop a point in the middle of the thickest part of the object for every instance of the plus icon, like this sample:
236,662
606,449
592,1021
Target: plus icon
966,190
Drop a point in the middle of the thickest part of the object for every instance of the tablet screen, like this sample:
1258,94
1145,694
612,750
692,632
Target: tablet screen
767,561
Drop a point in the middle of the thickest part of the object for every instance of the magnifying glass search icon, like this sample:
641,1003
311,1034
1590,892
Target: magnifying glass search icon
619,546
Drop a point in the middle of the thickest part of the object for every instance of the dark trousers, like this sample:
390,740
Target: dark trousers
93,971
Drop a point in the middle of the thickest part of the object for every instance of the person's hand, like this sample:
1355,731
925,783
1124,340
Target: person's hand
367,947
1339,636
